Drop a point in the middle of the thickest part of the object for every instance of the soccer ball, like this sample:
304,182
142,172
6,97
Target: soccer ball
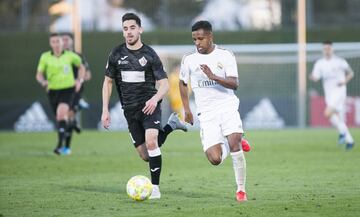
139,188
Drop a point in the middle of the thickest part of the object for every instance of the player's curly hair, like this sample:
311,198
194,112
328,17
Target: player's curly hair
202,24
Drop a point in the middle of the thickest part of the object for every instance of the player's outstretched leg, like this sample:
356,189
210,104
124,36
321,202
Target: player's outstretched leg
174,123
155,170
155,160
344,133
239,165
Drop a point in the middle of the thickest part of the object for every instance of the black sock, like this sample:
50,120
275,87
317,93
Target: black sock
68,136
61,133
75,126
155,169
163,134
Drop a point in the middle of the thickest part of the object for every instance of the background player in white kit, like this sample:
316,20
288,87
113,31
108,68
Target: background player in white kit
213,74
335,73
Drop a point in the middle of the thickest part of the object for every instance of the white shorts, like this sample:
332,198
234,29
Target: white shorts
216,125
336,101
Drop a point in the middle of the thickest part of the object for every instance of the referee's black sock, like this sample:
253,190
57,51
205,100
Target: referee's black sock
155,165
68,136
61,133
163,134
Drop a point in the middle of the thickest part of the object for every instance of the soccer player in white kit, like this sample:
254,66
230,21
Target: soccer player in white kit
335,73
213,74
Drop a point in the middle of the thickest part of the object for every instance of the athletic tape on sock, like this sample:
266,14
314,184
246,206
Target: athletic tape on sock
154,153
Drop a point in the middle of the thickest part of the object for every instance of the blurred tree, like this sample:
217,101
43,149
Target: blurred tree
168,13
24,15
9,11
147,7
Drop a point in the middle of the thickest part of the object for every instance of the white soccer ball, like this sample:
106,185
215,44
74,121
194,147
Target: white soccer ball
139,188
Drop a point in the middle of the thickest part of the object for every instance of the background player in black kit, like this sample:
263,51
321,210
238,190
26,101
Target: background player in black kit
136,69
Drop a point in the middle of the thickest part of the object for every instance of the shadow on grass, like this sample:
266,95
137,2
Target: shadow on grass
116,190
92,188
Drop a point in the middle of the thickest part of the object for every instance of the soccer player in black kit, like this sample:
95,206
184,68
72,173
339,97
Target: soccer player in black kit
136,69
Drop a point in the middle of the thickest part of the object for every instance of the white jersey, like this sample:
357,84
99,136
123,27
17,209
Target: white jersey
332,71
209,95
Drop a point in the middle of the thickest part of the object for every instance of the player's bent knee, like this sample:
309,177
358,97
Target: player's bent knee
60,117
214,159
235,148
328,112
213,154
215,162
151,145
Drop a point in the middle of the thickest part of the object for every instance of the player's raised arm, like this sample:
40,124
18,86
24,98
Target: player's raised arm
106,93
228,82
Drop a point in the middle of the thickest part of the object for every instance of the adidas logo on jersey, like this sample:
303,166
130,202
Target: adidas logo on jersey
34,120
118,120
263,115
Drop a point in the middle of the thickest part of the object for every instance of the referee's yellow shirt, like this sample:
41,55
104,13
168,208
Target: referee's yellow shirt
59,70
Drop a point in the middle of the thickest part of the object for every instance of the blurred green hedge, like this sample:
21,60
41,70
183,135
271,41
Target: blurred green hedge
20,52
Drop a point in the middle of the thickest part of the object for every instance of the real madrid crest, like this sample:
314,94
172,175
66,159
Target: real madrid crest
143,61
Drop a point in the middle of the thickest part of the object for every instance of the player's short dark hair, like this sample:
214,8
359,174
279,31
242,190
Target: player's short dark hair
67,34
131,16
202,24
54,34
328,42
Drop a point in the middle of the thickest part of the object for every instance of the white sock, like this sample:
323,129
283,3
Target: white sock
336,122
341,127
349,138
239,165
156,188
225,149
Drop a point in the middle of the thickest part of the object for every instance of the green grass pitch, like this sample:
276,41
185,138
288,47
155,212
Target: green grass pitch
289,173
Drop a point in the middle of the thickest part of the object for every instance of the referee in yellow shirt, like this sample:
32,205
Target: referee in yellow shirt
55,73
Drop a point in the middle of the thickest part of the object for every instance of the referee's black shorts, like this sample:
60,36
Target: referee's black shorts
138,122
74,103
60,96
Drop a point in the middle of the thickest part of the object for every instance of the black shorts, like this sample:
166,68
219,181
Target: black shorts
75,99
138,122
60,96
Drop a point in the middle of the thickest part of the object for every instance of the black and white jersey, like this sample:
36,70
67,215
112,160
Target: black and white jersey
135,73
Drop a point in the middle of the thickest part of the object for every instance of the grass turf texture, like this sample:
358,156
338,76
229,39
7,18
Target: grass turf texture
290,173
